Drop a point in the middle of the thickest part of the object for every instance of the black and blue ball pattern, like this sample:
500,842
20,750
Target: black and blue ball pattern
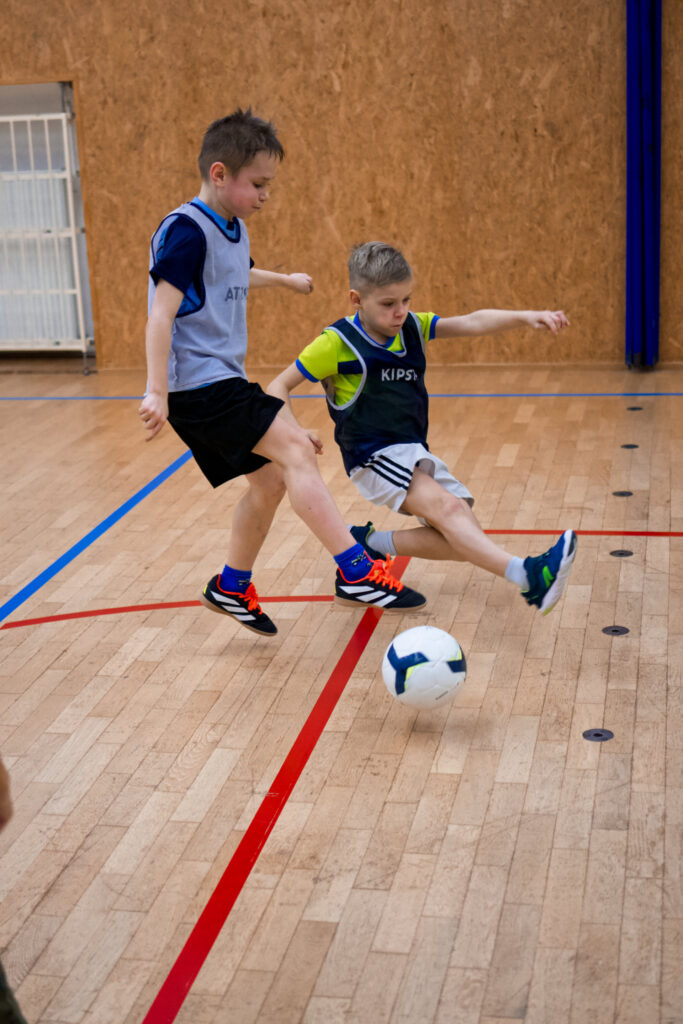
424,666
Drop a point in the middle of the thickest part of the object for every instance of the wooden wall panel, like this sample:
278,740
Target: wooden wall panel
484,138
671,294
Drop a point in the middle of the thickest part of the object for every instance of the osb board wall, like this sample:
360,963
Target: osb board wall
671,293
484,137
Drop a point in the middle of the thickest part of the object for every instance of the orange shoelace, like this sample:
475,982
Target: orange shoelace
252,596
249,593
380,573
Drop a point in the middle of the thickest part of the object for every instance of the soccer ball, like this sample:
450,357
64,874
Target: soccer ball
423,667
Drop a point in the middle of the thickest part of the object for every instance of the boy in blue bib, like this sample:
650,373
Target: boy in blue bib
372,366
200,275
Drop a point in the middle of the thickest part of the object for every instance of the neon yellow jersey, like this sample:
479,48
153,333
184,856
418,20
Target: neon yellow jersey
320,360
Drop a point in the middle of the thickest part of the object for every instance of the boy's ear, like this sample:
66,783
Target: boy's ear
218,172
354,298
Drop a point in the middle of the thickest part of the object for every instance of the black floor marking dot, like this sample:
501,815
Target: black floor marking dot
622,494
635,408
621,553
598,735
616,630
630,446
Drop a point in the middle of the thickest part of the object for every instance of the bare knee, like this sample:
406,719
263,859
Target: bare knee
296,454
270,495
287,446
267,486
447,509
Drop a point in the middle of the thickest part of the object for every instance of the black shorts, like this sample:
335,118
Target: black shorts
9,1009
221,423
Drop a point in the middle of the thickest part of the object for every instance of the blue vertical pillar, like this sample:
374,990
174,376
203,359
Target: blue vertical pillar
643,175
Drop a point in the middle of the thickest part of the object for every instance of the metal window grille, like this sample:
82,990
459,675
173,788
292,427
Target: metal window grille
41,295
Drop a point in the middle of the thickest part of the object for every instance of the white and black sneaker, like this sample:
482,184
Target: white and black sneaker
378,589
243,608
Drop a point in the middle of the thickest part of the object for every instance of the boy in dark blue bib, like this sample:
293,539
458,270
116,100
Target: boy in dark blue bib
372,366
200,275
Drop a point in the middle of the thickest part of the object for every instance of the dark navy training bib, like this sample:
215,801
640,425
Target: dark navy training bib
391,403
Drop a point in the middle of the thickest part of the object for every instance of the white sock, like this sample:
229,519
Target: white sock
382,541
515,573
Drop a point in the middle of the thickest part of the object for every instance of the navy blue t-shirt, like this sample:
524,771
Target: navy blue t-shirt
180,256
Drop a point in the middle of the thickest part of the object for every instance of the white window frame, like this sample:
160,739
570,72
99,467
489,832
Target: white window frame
44,321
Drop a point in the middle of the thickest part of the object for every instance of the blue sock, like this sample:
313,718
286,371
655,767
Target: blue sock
354,563
234,580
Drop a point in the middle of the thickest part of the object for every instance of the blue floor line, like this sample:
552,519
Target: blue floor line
47,574
70,398
432,394
563,394
542,394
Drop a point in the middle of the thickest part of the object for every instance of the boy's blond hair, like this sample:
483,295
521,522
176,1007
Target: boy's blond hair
374,264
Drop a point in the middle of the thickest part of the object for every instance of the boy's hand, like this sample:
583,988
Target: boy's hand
300,283
153,412
315,441
545,318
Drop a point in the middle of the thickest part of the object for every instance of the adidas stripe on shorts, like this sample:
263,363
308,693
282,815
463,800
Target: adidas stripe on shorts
384,478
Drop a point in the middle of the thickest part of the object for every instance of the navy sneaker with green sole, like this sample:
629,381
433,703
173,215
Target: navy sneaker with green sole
548,573
360,534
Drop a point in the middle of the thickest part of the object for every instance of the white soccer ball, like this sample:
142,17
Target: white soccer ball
423,667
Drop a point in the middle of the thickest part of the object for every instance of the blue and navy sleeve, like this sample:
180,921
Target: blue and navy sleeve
179,253
306,373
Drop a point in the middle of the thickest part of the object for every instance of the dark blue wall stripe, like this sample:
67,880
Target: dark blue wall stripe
643,177
47,574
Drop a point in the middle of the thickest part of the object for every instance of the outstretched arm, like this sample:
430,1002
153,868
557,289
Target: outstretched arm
269,279
488,321
282,387
153,409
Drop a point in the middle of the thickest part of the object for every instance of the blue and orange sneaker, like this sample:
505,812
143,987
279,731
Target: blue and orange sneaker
243,608
548,573
379,589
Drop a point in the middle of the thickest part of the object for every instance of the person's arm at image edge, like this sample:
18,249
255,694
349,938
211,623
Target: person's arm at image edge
6,808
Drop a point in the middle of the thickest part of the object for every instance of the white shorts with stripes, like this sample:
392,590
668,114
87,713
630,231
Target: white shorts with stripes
384,478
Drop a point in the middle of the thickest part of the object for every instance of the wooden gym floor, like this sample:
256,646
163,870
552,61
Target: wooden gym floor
480,864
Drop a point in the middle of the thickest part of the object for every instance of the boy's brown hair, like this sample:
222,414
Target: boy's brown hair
235,140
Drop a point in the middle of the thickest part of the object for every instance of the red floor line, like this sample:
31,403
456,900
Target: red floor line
316,597
586,533
147,608
172,993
